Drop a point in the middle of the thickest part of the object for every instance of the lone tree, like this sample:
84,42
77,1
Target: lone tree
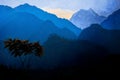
19,48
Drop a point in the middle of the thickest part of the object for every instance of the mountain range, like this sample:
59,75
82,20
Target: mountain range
30,22
65,44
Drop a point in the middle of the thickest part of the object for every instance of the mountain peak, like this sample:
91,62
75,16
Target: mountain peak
28,8
25,5
90,11
84,18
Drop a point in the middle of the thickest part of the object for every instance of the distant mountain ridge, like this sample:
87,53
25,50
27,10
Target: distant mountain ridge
84,18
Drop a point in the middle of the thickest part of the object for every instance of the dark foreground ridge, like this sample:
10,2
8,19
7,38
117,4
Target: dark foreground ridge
89,69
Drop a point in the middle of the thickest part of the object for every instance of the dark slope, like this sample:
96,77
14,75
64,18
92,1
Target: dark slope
113,21
110,39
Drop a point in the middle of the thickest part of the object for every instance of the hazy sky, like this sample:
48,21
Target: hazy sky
65,8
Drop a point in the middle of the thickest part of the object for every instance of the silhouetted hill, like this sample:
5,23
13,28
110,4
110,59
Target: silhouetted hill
61,23
109,39
84,18
70,53
113,21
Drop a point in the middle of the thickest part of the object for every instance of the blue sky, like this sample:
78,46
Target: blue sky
65,8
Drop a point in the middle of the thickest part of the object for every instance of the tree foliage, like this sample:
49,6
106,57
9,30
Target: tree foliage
23,47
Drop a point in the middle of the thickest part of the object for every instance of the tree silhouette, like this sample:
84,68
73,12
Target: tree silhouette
19,48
